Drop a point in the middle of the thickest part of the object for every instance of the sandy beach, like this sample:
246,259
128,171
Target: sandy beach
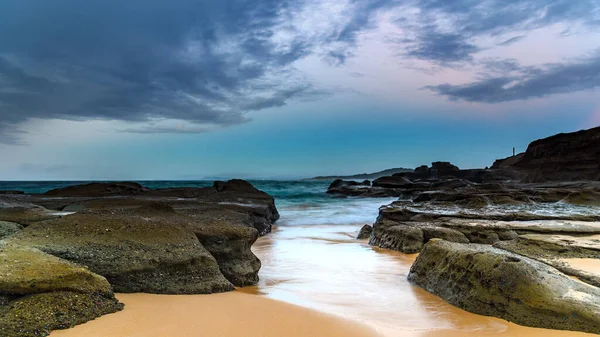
217,315
591,266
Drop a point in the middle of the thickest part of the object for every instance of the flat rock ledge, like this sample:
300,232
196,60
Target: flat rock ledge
493,282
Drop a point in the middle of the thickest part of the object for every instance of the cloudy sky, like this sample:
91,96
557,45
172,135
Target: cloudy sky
182,89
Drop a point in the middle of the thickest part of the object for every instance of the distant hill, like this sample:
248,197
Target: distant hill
364,176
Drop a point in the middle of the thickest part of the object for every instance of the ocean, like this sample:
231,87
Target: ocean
305,202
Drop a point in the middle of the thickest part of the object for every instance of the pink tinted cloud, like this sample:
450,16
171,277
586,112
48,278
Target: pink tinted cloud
594,119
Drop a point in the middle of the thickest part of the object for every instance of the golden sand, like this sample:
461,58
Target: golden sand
591,266
218,315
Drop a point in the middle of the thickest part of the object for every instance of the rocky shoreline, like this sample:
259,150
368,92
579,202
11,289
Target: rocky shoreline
64,253
536,210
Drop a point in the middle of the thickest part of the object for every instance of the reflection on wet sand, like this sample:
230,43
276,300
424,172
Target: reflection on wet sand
591,266
321,267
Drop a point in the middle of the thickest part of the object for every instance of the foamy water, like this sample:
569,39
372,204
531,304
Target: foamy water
312,259
324,268
330,211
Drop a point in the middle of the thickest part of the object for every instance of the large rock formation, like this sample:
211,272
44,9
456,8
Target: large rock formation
566,157
562,157
493,282
172,241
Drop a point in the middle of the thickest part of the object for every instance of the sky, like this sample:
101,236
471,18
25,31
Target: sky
182,89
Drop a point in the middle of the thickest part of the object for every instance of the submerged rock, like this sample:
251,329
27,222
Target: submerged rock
493,282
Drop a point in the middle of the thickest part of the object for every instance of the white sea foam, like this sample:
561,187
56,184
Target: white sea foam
336,212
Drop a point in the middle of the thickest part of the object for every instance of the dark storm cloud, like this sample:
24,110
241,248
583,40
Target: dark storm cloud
209,62
553,79
198,61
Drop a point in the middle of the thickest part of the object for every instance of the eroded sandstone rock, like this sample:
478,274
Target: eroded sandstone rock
493,282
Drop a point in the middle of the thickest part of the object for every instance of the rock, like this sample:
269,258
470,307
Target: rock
404,239
11,192
26,215
447,234
552,249
395,181
234,185
8,228
365,232
563,157
182,192
584,197
444,169
135,254
399,225
43,293
493,282
241,193
99,190
37,315
25,271
349,188
231,248
74,208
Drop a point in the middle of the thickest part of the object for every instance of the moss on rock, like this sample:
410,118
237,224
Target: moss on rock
493,282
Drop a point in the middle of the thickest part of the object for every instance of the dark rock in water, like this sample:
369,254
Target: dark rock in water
8,228
11,192
349,188
99,190
563,157
365,232
44,293
493,282
135,254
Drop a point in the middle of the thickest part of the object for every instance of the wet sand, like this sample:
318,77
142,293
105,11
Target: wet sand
591,266
217,315
324,268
